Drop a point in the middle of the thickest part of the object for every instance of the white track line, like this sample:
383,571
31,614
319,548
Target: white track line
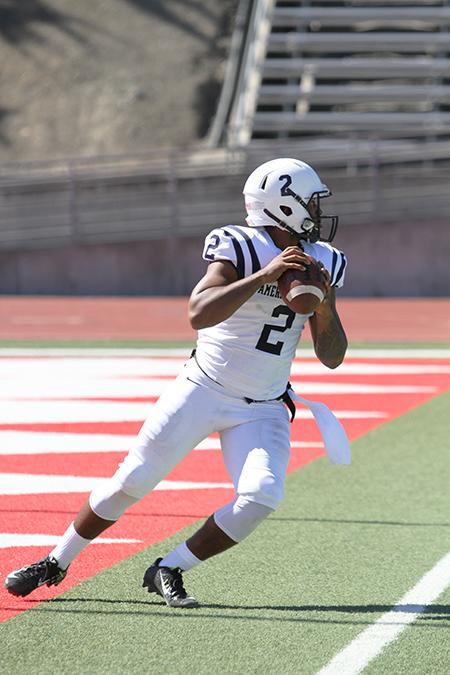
14,540
366,353
82,352
369,644
398,354
307,368
34,484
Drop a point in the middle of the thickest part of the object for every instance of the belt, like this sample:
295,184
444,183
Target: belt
289,403
284,396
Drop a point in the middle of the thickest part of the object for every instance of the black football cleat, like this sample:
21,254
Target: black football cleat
168,583
23,581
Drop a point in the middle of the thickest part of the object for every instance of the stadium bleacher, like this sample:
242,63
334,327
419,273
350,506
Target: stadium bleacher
377,66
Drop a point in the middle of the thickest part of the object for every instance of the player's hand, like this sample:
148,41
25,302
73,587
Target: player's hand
291,257
326,278
326,306
326,309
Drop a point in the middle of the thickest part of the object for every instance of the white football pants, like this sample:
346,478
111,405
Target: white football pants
254,438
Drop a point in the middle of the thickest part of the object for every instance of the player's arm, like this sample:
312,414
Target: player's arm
220,292
330,341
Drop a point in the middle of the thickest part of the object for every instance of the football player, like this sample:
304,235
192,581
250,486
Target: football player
235,383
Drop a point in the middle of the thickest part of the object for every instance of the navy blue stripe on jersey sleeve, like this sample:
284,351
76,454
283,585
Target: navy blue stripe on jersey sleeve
240,263
341,269
333,267
256,265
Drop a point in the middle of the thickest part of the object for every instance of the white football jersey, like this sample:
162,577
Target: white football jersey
251,352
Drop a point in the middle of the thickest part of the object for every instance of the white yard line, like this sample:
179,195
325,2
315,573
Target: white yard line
79,369
43,443
370,643
154,387
34,484
51,412
120,369
15,540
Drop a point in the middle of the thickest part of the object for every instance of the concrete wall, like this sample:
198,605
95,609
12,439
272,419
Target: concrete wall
397,259
157,267
388,260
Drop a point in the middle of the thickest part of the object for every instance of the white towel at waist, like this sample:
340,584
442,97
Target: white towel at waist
335,439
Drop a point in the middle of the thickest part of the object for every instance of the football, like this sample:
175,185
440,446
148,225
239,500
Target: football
302,291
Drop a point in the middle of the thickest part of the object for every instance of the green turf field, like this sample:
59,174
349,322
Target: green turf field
155,344
346,545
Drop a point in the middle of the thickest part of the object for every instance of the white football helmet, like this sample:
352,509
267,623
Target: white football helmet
286,193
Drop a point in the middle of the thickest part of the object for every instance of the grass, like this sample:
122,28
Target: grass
101,344
346,544
155,344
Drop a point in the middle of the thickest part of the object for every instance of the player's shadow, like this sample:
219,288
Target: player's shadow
73,513
430,614
351,521
149,514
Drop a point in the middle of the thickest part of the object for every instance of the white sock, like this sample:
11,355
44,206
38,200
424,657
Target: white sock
180,557
70,545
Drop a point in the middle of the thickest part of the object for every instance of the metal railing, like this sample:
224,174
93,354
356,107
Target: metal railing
105,200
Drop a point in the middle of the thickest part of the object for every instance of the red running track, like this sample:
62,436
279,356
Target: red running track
61,318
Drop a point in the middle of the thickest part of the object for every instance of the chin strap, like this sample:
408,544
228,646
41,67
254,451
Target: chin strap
335,439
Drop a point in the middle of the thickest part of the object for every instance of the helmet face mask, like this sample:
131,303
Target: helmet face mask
286,193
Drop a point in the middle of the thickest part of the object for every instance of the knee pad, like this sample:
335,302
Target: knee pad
139,473
261,487
240,517
109,501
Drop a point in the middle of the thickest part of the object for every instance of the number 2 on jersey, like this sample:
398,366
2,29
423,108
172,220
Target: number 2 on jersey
263,343
214,243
